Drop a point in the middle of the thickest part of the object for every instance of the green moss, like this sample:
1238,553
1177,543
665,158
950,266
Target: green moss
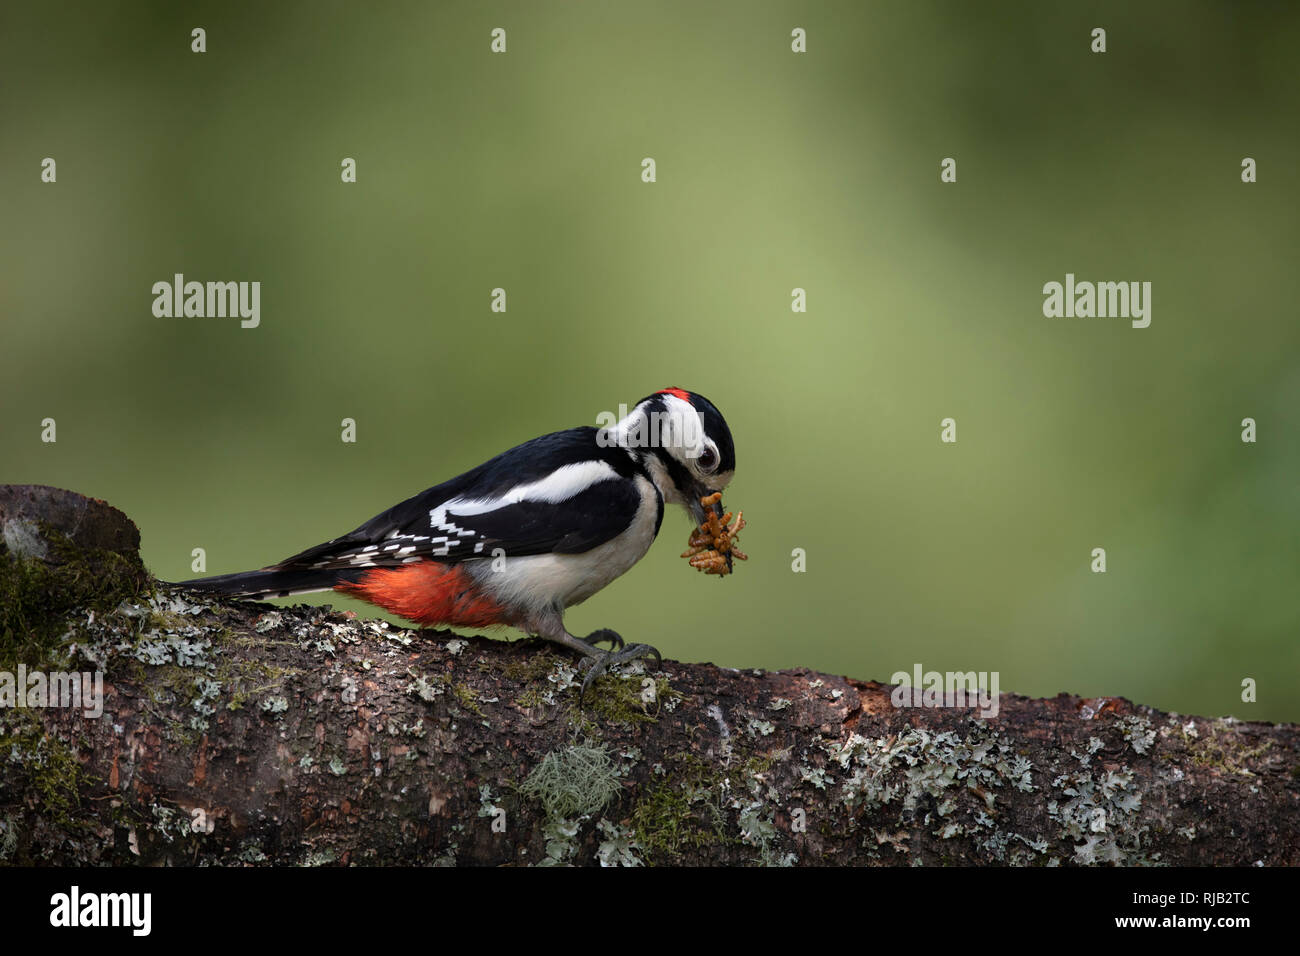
48,773
681,812
544,684
758,764
1225,750
611,698
466,697
37,595
530,698
527,668
622,699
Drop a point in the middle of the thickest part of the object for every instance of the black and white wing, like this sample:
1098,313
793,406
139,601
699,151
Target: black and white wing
560,493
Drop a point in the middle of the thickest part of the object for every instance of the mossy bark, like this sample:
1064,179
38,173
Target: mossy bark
241,733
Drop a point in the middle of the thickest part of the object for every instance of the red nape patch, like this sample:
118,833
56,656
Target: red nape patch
427,593
681,393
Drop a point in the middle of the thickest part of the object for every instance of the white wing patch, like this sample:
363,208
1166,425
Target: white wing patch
406,548
561,485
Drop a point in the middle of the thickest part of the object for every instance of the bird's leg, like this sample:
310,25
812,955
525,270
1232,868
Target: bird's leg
550,626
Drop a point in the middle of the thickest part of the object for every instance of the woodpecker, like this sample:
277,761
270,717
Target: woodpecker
527,534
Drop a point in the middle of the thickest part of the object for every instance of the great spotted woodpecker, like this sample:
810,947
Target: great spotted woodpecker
522,537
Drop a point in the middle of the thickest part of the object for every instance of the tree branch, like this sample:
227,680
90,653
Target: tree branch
237,732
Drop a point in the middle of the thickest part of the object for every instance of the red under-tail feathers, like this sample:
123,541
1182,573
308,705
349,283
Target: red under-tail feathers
428,593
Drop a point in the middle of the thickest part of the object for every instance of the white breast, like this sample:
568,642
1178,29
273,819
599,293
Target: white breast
535,582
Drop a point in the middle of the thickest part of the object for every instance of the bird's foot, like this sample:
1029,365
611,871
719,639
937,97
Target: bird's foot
605,634
598,663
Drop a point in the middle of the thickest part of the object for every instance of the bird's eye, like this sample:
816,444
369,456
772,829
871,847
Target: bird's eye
708,460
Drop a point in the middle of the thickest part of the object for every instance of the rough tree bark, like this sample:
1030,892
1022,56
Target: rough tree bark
241,733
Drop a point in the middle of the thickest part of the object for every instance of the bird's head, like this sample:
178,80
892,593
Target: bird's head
685,445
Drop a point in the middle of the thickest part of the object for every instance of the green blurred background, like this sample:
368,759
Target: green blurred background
775,171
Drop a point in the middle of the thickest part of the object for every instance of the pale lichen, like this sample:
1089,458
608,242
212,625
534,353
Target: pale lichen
1098,814
575,781
1138,732
618,848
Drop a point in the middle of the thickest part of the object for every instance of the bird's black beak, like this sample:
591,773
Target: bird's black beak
697,510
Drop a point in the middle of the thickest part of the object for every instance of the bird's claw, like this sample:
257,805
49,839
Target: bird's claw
598,664
602,635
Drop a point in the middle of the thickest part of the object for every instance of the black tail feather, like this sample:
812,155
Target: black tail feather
270,582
